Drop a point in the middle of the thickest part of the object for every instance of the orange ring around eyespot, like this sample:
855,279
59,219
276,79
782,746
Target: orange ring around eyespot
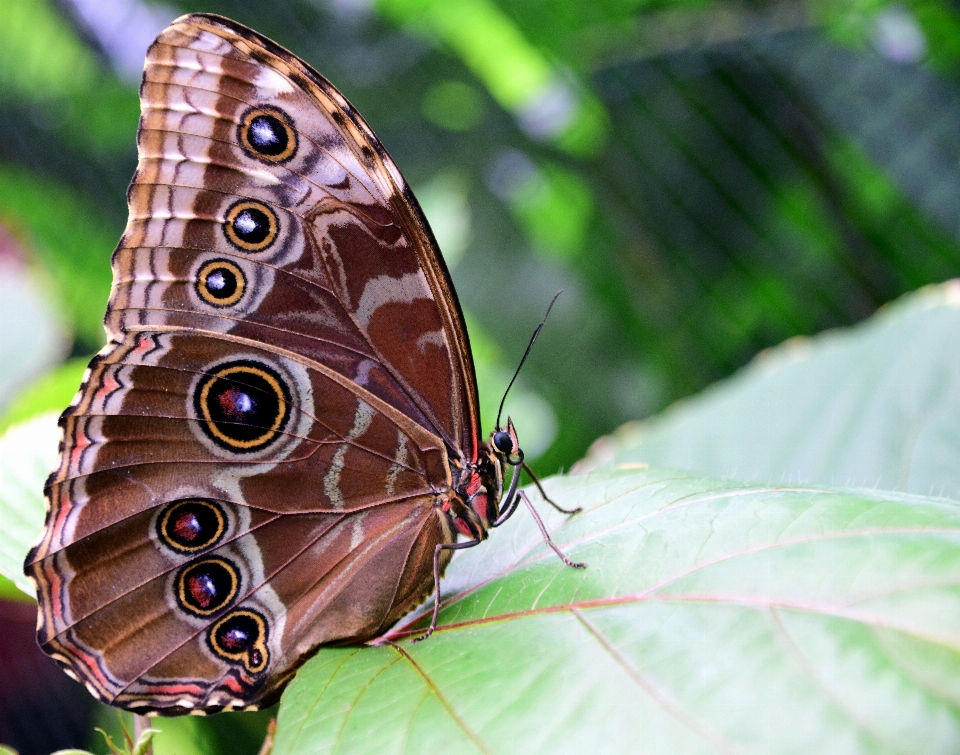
271,381
237,209
243,656
179,547
204,290
243,134
199,610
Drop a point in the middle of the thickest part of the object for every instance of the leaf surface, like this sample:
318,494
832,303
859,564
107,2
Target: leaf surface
877,405
28,453
713,617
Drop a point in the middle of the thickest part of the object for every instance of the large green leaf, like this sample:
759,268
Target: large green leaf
713,618
877,405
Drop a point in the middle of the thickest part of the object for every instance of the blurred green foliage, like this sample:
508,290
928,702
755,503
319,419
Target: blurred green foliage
704,178
51,392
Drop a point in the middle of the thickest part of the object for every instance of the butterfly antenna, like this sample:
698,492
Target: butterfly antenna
526,353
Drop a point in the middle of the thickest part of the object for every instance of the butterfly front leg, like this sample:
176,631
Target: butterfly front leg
506,443
546,535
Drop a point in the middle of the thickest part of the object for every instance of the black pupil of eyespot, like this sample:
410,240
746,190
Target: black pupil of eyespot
208,585
237,633
187,526
221,283
243,408
252,225
267,135
503,442
193,525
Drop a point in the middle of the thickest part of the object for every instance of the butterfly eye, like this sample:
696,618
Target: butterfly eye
221,283
251,226
267,134
503,442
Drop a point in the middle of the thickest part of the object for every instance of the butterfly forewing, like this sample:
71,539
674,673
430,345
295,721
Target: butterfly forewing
341,267
254,463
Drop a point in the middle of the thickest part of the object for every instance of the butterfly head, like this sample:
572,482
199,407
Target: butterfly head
506,445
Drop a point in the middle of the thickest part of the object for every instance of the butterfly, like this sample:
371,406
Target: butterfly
279,447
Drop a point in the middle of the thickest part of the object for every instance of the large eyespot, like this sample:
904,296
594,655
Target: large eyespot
243,405
191,525
221,283
241,637
207,586
267,133
251,226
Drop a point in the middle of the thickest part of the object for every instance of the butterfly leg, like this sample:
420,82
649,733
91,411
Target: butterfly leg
546,536
558,507
436,580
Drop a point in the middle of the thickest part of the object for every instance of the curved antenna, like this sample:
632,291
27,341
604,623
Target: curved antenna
525,354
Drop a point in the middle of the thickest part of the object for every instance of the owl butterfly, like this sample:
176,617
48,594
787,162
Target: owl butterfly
279,446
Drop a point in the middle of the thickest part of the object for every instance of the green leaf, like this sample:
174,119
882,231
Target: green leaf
71,239
52,392
9,591
40,53
28,453
515,72
713,617
876,405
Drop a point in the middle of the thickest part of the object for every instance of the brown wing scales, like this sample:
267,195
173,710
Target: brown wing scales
253,464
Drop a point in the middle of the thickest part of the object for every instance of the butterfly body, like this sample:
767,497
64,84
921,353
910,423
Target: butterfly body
281,437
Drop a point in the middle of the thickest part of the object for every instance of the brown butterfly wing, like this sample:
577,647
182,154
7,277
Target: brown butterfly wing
353,278
253,464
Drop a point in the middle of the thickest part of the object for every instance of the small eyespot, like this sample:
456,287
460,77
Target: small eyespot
503,442
221,283
251,226
267,134
241,637
207,586
191,525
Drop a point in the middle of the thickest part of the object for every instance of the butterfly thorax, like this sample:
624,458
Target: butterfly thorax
477,488
479,484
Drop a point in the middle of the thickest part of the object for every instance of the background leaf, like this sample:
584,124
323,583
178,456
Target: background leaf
52,392
705,179
28,453
877,405
712,617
